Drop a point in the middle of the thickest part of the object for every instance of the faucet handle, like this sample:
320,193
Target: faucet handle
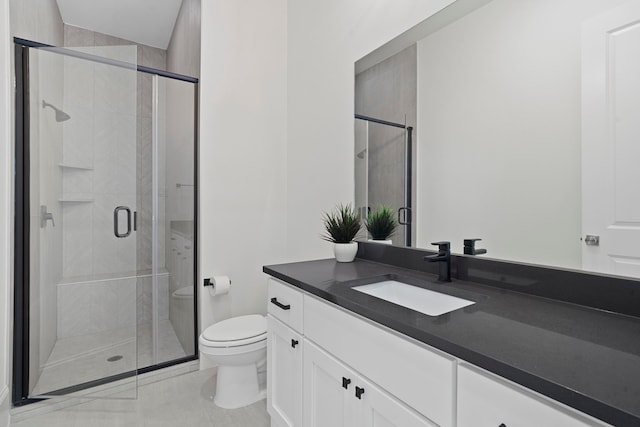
443,246
470,247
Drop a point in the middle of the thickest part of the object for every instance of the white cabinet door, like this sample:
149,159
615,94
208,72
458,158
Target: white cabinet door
379,409
328,388
336,396
422,378
284,374
487,401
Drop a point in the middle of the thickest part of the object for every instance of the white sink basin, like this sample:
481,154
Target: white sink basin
423,300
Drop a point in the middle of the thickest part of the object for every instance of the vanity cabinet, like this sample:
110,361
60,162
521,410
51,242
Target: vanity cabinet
284,355
330,367
336,396
485,399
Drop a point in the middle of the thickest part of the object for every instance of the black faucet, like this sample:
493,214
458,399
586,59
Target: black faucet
444,258
470,247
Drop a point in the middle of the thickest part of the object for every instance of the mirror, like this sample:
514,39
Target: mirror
502,97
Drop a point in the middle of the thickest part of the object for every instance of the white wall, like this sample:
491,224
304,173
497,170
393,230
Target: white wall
6,181
499,131
242,149
46,77
40,20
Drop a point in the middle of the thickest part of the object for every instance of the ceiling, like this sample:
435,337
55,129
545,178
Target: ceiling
147,22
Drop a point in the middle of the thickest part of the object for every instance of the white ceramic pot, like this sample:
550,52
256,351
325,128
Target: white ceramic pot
345,252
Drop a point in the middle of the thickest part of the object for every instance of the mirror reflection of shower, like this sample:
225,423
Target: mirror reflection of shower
61,116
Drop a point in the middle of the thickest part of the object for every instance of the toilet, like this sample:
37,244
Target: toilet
239,347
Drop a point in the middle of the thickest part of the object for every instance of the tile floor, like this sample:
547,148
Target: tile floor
182,401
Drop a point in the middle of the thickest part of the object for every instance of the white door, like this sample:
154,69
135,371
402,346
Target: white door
284,371
611,141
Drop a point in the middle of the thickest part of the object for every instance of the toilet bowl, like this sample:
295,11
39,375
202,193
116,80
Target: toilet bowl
238,346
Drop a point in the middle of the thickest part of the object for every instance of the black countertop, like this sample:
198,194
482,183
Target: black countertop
584,357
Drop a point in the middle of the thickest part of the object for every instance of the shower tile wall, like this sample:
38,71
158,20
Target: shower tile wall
92,306
40,20
119,158
96,306
144,293
46,268
154,58
99,166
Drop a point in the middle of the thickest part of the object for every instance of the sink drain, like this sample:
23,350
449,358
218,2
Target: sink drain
114,358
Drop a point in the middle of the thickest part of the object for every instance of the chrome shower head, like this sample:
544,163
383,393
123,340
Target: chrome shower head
61,116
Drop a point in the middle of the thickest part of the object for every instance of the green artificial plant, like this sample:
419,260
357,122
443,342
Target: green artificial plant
341,225
381,223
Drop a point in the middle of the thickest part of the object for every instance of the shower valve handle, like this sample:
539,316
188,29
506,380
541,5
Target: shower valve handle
45,216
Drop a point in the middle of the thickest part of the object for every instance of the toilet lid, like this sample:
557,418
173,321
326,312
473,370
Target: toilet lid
241,328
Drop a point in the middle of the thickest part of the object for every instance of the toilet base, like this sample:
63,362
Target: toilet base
237,386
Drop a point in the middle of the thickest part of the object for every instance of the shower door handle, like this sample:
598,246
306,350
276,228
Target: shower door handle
407,216
116,211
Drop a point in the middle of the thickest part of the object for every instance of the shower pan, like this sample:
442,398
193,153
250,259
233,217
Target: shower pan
101,144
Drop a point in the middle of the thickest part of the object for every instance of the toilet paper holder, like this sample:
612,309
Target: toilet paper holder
209,282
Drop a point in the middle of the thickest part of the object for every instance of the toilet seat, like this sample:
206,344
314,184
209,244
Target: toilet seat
234,332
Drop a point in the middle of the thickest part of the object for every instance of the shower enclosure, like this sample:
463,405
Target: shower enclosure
105,221
383,171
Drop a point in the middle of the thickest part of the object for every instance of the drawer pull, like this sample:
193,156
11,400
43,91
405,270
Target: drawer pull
294,343
279,304
345,383
359,392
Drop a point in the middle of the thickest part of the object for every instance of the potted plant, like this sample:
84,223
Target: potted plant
341,226
381,224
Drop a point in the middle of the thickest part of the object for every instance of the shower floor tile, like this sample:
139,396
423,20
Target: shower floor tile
80,359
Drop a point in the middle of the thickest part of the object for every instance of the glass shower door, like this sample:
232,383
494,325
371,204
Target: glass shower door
81,155
382,172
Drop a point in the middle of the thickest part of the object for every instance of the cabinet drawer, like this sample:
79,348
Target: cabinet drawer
285,304
486,400
421,378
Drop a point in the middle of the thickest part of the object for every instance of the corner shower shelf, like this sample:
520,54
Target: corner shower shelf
67,166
